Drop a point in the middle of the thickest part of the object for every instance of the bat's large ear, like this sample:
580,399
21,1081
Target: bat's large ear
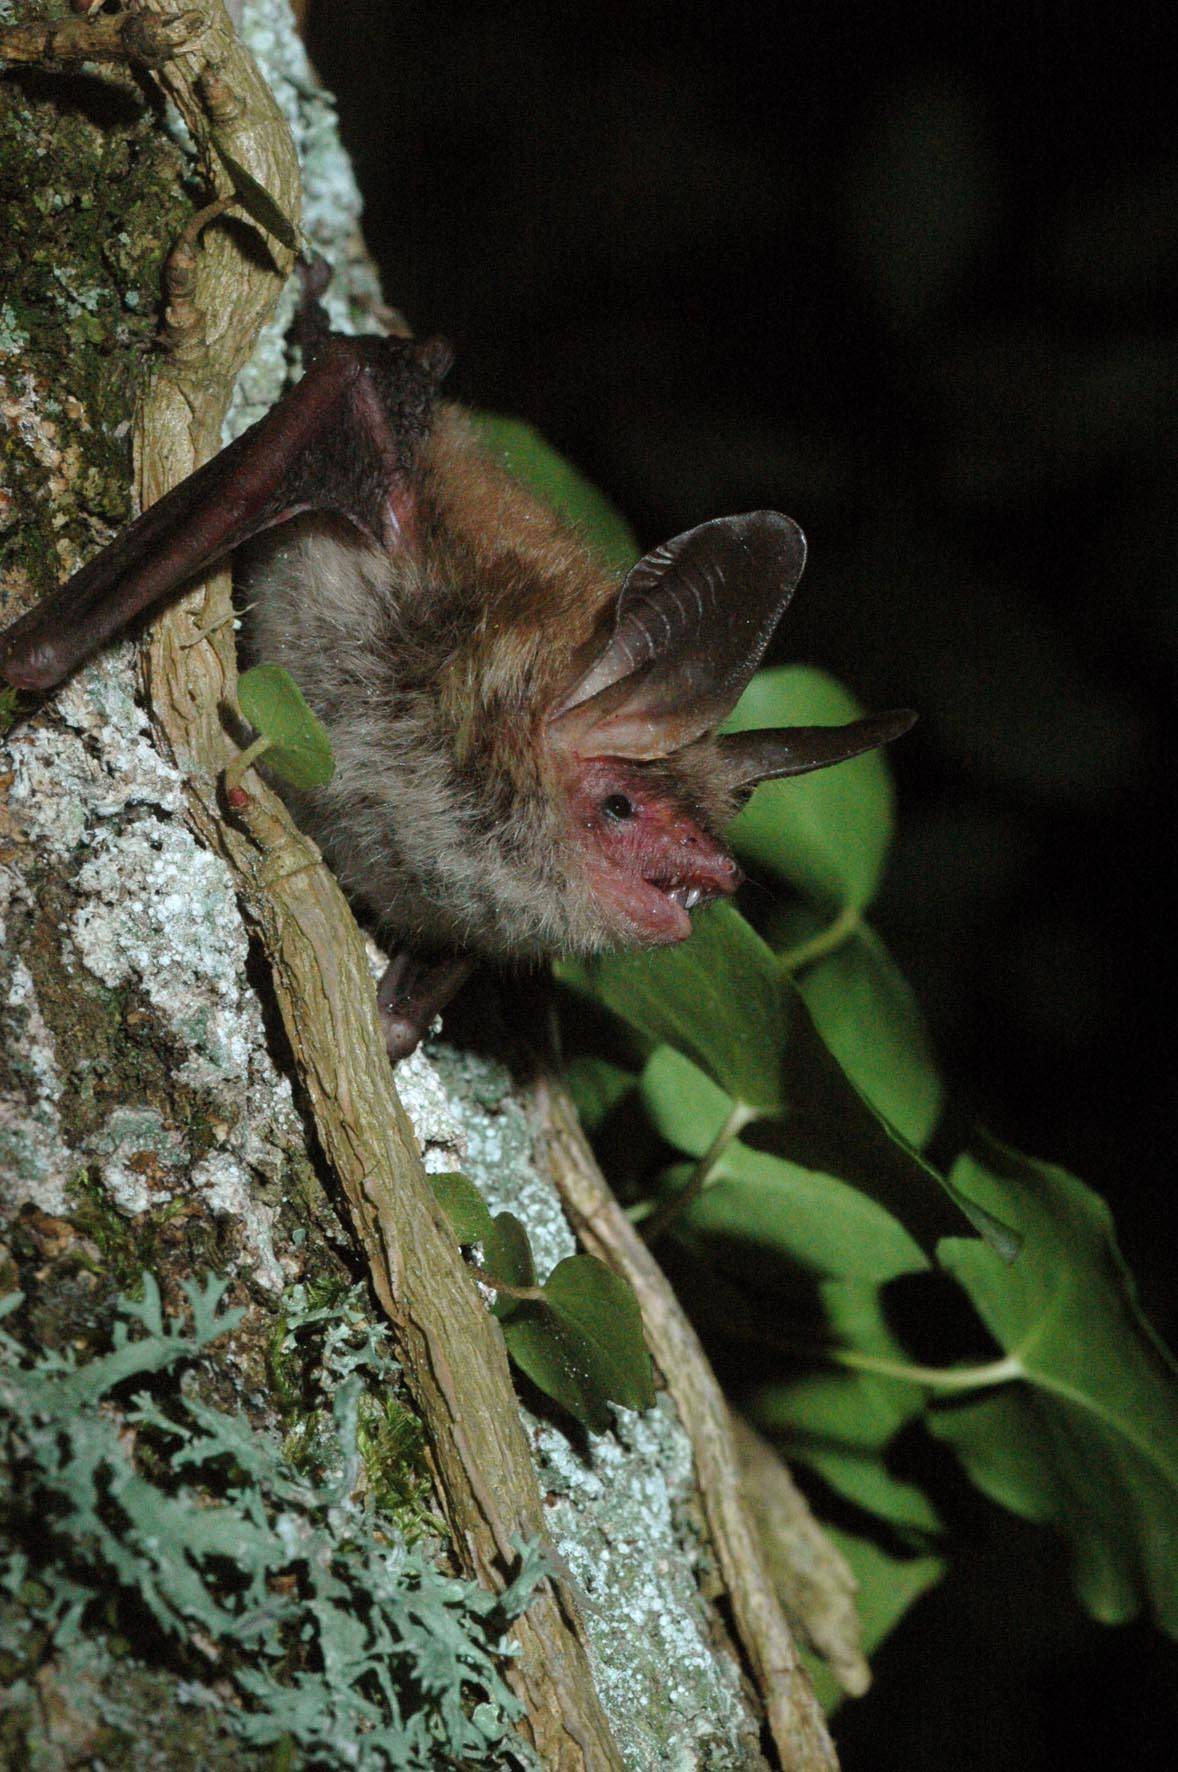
752,757
690,625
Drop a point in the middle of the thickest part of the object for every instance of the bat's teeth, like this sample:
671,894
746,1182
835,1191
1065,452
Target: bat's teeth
692,899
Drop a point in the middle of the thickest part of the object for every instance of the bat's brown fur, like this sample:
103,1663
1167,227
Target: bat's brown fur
435,669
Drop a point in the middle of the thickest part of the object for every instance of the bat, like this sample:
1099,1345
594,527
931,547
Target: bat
526,753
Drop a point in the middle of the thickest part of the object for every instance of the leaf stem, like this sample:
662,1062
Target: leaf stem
942,1378
244,760
525,1292
816,947
669,1210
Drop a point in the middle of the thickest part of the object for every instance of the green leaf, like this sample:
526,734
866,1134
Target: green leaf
868,1017
582,1343
889,1586
558,1360
507,1255
833,1127
685,1106
1001,1442
590,1298
526,455
720,1000
597,1087
1099,1431
827,832
812,1219
461,1201
854,1412
865,1480
256,200
841,1423
300,751
716,998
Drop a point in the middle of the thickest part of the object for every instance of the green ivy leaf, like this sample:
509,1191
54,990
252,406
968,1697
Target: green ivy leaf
828,832
299,749
867,1015
721,1000
256,200
581,1344
685,1106
853,1415
841,1423
461,1201
589,1298
1102,1390
1003,1445
558,1360
716,998
889,1586
833,1126
507,1255
811,1219
526,455
597,1087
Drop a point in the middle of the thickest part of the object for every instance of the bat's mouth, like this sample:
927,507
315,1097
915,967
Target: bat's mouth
690,897
655,910
672,898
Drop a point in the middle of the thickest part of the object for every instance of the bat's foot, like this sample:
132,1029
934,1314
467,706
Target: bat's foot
412,992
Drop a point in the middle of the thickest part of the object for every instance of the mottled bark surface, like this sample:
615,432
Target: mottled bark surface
156,1113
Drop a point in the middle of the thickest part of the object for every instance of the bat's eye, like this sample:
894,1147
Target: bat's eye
617,807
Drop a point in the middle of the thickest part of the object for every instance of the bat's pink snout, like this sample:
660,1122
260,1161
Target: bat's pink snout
650,860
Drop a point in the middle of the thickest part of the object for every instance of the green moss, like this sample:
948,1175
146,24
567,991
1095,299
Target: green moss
329,1334
392,1444
93,192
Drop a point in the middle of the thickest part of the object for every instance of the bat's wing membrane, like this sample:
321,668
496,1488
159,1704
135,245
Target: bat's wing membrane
691,623
330,444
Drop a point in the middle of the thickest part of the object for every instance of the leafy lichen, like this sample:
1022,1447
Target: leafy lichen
183,1536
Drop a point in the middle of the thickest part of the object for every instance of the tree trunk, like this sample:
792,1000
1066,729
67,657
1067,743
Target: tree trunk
192,1081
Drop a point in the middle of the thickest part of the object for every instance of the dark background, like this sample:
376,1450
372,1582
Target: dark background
912,278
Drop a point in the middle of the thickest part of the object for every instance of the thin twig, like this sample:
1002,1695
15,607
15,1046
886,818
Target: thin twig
665,1214
795,1717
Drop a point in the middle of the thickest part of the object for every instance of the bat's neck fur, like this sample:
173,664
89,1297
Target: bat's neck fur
434,670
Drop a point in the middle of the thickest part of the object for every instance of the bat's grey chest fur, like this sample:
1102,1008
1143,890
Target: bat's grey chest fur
409,838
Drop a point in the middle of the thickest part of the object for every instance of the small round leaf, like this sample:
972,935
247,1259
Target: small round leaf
464,1206
591,1299
300,750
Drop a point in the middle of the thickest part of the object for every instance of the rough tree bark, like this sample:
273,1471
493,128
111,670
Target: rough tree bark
191,1073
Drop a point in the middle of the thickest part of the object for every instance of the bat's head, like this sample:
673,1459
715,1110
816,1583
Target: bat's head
647,783
647,846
